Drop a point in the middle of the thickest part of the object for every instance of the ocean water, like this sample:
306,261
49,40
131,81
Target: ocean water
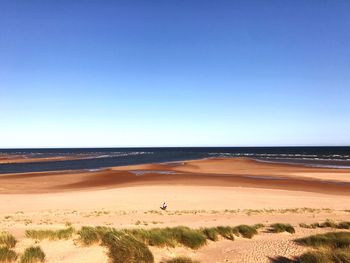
99,158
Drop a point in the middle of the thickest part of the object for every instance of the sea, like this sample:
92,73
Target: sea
99,158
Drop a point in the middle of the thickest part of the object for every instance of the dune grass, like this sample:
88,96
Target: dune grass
187,237
258,226
330,247
180,260
211,233
33,255
154,237
226,232
160,237
245,231
170,236
331,240
325,256
7,255
124,248
279,228
7,240
344,225
50,234
130,245
328,223
88,235
192,238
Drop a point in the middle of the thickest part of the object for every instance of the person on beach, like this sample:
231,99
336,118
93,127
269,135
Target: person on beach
164,206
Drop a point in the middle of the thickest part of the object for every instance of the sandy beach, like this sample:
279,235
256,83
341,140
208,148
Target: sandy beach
199,193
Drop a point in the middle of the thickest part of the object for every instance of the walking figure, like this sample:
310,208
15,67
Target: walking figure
164,206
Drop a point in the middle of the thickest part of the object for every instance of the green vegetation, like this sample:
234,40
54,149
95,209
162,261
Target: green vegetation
88,235
170,236
245,231
188,237
331,240
303,225
50,234
154,237
124,248
258,226
286,210
328,223
279,228
211,233
331,247
226,232
7,240
229,232
7,255
180,260
33,255
325,256
344,225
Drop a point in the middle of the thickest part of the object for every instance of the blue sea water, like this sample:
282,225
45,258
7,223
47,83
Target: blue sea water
98,158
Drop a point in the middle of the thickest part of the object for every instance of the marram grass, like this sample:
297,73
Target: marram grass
331,240
7,255
7,240
33,255
180,259
50,234
279,228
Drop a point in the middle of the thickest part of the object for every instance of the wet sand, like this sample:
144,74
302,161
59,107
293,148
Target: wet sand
237,172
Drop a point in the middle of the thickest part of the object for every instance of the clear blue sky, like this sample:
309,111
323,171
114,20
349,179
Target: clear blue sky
174,73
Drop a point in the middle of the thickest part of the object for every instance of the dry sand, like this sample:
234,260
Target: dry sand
199,193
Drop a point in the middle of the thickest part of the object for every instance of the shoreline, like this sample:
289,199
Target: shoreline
224,172
79,162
